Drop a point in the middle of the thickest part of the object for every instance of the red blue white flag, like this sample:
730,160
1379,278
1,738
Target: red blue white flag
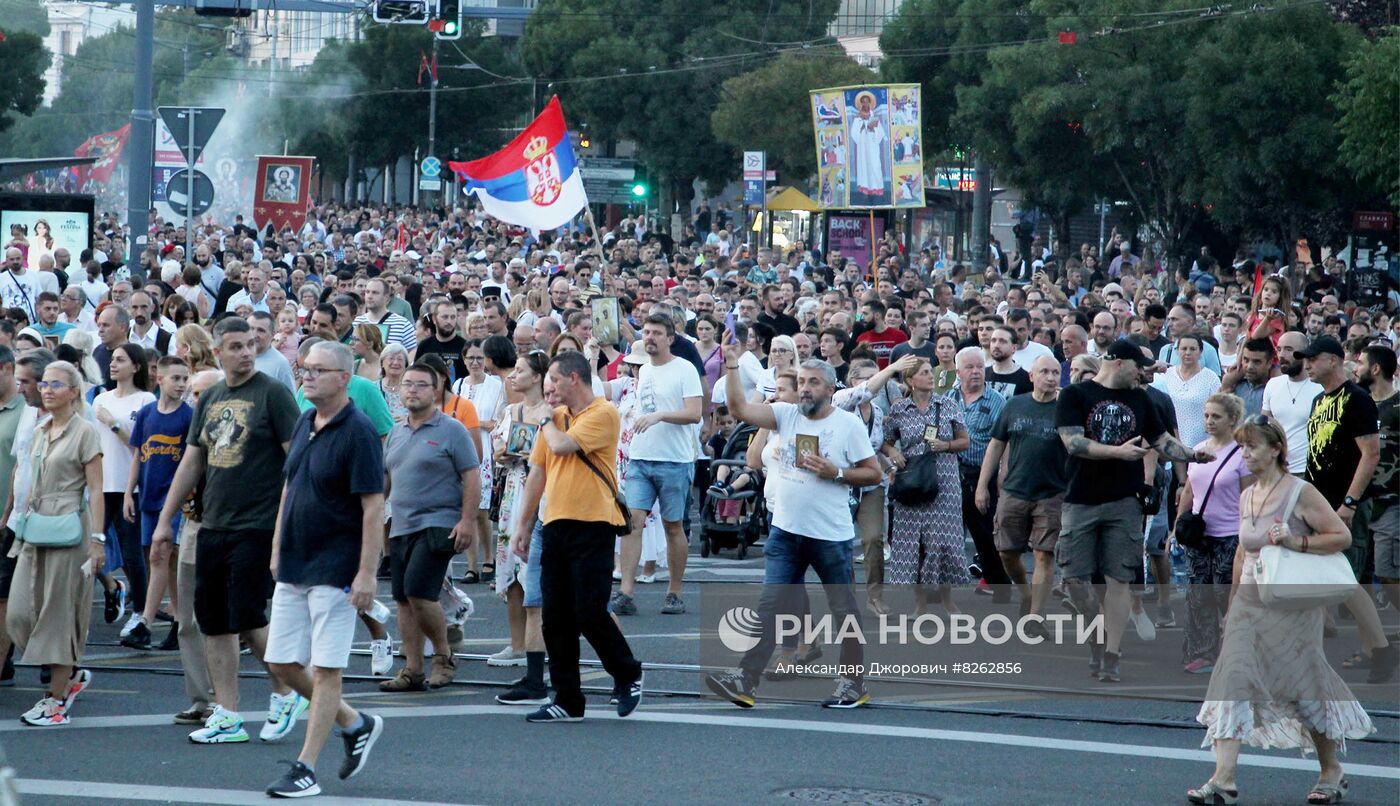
535,181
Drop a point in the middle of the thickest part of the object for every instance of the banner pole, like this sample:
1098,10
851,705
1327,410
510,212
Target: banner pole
597,241
874,270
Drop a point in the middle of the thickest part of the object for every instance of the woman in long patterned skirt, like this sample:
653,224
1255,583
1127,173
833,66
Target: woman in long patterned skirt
926,540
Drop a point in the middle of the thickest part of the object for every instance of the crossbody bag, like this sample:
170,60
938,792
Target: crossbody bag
48,531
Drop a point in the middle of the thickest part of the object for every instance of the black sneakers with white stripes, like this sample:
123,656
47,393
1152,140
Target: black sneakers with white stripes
553,713
298,782
359,743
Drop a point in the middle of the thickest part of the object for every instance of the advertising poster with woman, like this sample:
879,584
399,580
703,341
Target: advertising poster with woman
869,146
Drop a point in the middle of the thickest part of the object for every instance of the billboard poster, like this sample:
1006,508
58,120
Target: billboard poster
44,231
869,143
850,236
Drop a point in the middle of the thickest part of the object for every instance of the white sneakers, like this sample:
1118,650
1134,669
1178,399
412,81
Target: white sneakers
506,657
381,656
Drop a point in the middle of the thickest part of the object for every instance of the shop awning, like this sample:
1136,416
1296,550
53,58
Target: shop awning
790,198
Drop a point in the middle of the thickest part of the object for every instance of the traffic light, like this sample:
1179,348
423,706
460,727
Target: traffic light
405,12
447,22
640,190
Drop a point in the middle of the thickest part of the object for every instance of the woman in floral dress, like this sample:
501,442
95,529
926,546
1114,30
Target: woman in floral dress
527,380
926,540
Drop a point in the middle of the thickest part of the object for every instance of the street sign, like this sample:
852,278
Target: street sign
609,179
191,126
753,192
755,162
432,183
177,193
431,167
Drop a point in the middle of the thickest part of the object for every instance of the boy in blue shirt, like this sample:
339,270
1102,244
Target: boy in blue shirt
159,439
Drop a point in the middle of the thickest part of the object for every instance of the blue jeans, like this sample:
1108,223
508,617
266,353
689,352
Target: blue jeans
530,582
786,558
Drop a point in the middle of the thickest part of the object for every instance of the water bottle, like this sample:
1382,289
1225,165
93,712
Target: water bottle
1180,573
379,612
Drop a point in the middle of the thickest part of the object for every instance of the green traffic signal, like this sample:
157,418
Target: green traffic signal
449,27
639,190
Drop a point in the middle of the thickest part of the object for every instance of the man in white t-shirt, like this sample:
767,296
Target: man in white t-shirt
19,287
1027,351
823,452
1288,398
662,460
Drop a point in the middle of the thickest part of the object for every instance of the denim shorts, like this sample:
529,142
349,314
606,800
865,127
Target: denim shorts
148,526
530,581
667,482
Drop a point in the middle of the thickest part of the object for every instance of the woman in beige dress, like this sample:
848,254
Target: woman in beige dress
1272,686
50,601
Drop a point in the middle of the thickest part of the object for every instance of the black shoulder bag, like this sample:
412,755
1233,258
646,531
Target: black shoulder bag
1191,527
626,527
917,483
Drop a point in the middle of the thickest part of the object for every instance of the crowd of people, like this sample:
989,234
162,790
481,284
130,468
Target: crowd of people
381,390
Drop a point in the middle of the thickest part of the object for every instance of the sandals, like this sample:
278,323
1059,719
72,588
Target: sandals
471,578
1330,793
1213,794
488,572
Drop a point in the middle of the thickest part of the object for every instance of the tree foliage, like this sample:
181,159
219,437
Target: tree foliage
652,70
779,91
23,61
1367,103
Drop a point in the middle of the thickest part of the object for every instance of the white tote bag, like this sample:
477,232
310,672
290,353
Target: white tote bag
1292,580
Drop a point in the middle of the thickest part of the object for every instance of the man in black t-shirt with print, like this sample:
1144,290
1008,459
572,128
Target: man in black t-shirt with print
237,445
445,341
1343,451
1108,425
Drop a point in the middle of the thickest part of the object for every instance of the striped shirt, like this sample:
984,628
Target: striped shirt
979,417
396,329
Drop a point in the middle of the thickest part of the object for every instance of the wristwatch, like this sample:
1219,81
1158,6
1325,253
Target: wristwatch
840,474
545,421
98,537
116,427
1350,503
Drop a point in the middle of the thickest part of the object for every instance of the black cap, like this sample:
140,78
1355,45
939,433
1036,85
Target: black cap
1320,345
1127,351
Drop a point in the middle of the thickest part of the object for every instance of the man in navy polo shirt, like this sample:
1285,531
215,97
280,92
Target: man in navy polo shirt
325,552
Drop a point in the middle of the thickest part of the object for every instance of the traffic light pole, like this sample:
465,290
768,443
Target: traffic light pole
141,142
432,105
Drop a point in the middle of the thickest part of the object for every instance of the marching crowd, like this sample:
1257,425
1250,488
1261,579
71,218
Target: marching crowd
255,432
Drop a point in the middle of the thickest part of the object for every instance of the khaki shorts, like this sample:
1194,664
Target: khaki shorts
1022,524
1101,539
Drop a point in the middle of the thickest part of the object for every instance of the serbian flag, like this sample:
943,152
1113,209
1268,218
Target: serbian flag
107,148
535,181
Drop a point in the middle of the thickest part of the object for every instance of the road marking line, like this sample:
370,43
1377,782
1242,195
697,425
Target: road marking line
895,731
106,791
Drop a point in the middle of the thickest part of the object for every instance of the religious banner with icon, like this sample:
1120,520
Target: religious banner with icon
281,188
869,146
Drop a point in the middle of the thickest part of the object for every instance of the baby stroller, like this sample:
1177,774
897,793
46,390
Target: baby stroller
733,518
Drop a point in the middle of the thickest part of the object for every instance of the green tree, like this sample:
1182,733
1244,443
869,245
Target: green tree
1128,94
1366,102
387,112
749,104
23,61
943,45
652,70
1270,169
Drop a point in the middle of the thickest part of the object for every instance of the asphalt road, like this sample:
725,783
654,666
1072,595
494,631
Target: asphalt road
951,744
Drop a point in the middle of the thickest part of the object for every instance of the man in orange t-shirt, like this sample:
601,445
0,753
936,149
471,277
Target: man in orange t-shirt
572,466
